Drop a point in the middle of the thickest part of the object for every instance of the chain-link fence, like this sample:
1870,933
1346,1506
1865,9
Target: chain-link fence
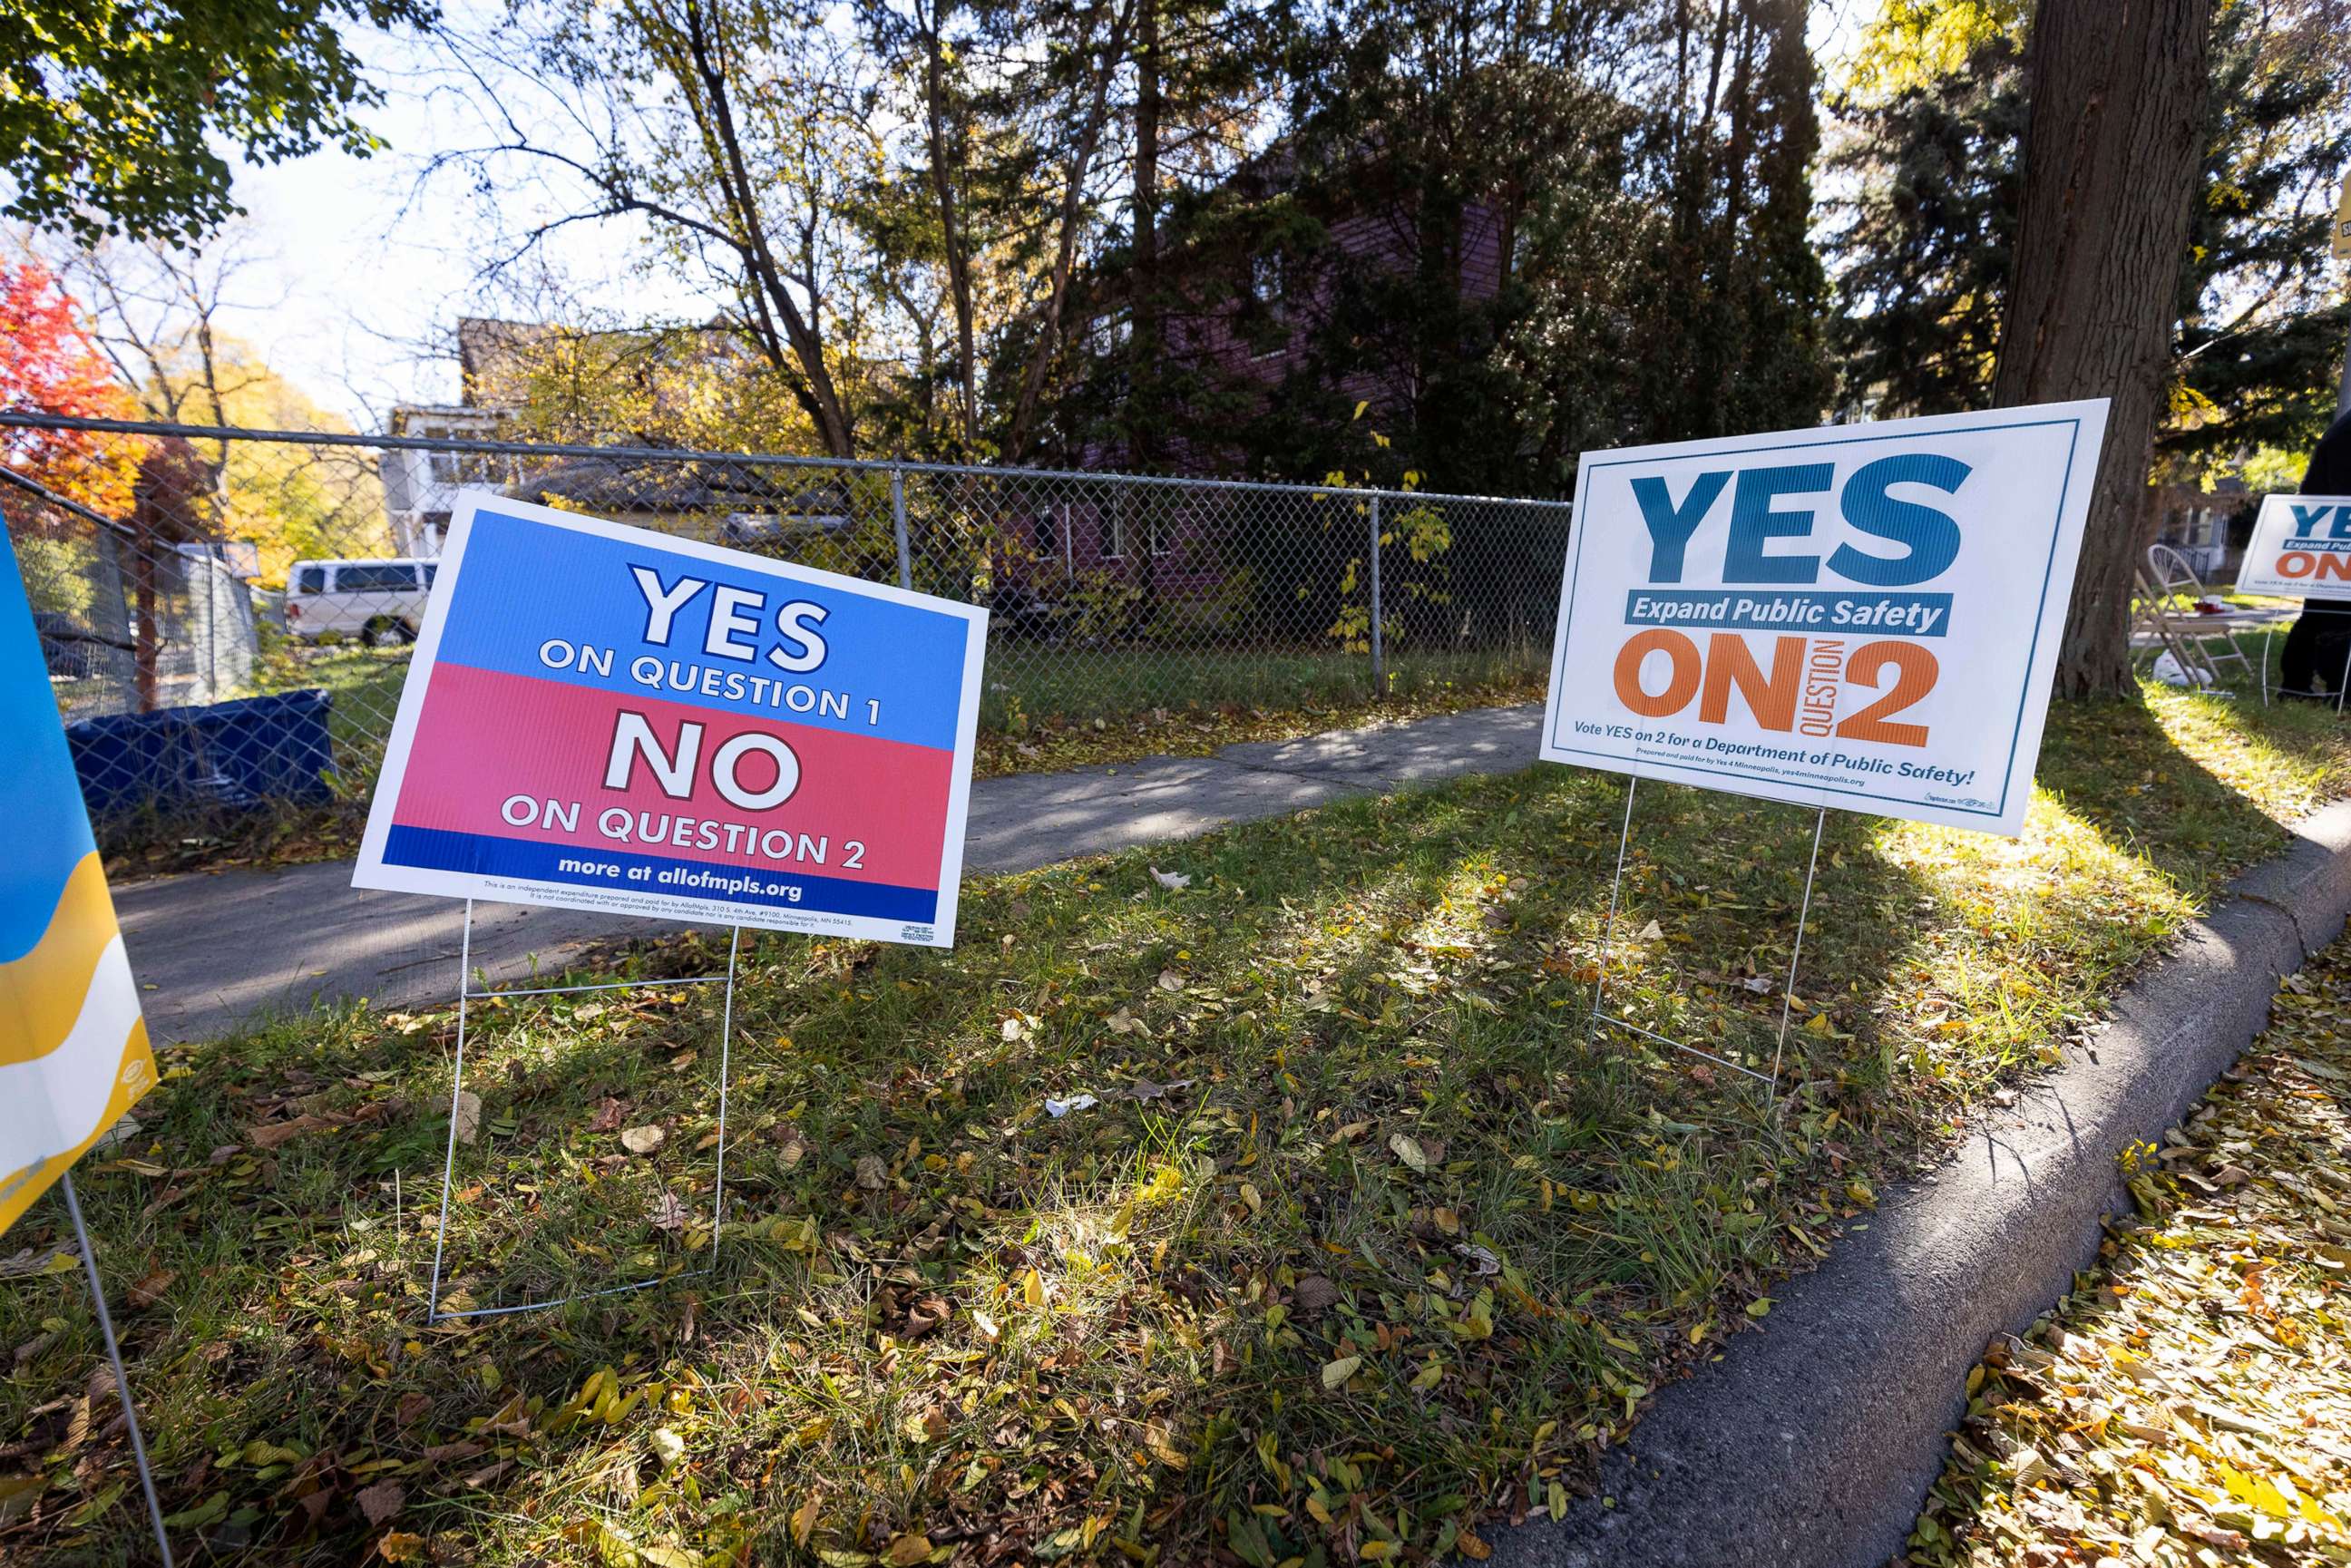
235,628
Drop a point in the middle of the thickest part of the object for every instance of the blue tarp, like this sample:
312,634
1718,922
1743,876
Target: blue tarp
254,752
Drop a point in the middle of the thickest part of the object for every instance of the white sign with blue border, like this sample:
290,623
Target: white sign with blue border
2300,548
1859,616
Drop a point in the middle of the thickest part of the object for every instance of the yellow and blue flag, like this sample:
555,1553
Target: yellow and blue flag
73,1045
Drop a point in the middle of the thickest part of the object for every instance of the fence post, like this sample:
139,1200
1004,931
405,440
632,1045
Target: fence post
898,521
212,633
1379,659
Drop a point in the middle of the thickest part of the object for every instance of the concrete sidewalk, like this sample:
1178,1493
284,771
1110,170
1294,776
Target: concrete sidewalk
213,951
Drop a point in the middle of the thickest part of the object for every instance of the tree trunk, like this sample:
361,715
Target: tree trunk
815,390
2109,163
1142,409
147,645
1069,222
946,145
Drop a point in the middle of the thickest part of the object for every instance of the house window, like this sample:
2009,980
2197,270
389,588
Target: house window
1115,534
1270,305
1266,283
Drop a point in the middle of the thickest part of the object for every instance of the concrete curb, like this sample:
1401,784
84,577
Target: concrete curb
1815,1440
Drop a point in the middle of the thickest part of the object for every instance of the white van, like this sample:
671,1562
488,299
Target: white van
380,602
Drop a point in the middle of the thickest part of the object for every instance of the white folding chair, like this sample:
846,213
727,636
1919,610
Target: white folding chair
2166,579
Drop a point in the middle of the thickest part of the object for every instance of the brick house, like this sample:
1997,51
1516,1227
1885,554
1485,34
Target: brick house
1242,311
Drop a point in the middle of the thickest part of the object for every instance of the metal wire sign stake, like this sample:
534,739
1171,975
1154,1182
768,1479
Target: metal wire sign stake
1608,934
465,995
114,1355
611,720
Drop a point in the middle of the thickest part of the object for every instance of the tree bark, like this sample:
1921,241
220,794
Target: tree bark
948,145
768,284
1070,221
1143,310
2109,166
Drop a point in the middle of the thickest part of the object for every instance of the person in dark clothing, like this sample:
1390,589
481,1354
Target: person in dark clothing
2319,644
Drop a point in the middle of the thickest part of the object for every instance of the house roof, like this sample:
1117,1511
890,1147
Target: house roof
620,485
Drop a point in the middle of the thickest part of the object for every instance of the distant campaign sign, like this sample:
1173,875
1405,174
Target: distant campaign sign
602,717
1859,616
2300,548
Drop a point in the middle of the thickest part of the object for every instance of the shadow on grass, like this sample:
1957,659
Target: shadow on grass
1365,1237
2122,768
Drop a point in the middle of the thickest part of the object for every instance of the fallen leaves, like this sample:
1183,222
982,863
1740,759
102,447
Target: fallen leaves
2193,1396
1312,1296
1342,1109
272,1134
644,1139
380,1503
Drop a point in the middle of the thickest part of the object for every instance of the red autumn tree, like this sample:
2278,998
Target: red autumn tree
51,364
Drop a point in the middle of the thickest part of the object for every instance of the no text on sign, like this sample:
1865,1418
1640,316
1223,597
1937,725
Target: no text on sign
2300,548
1859,616
604,717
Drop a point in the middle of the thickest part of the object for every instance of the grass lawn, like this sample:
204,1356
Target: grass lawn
1363,1243
2187,1404
1030,684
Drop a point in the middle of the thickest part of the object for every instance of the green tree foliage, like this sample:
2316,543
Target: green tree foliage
113,113
2261,318
1519,233
1924,240
1912,44
1734,340
1924,248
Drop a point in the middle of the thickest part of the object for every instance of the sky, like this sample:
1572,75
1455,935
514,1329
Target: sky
360,272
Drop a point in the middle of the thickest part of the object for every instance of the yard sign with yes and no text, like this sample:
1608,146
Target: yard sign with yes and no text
1859,616
603,717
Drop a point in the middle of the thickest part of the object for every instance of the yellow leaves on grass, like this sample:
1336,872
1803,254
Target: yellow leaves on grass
1478,1323
2189,1406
